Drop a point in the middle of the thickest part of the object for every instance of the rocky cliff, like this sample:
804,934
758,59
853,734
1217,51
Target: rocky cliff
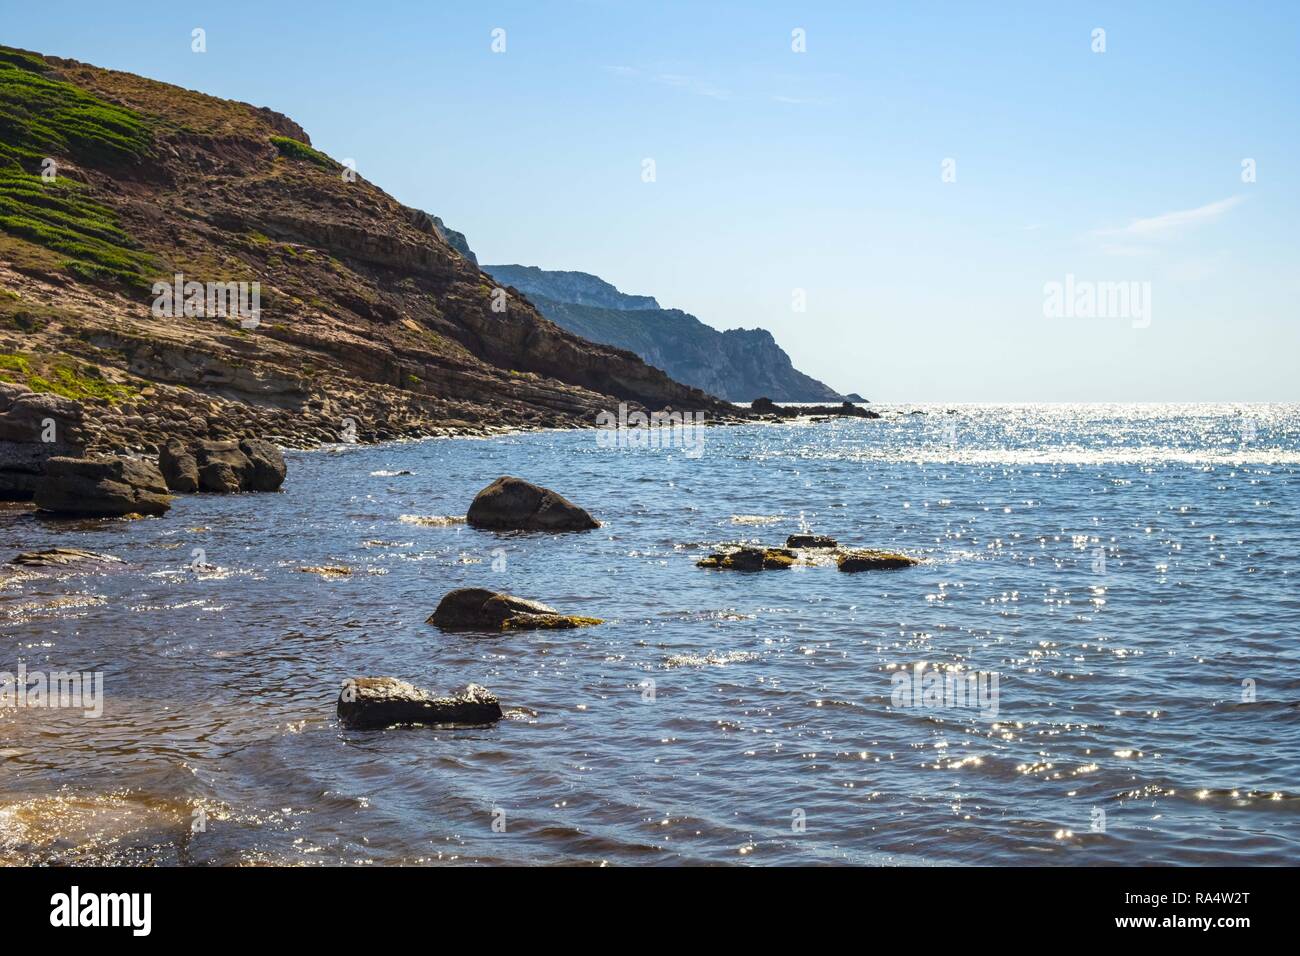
738,365
372,319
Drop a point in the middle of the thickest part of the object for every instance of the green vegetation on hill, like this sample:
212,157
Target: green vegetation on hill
62,375
44,117
41,116
293,149
58,216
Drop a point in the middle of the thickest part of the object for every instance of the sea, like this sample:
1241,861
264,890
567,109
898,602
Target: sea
1097,661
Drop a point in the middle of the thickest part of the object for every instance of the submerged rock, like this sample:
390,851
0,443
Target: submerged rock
62,558
369,703
864,560
102,487
512,504
810,541
478,609
749,559
328,571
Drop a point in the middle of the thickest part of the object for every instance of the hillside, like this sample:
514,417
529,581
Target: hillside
738,364
369,314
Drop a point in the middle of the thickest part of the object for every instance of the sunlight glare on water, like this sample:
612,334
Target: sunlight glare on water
1126,571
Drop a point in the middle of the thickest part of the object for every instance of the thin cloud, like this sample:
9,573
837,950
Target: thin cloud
678,81
1155,227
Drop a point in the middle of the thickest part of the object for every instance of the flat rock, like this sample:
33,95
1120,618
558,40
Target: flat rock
62,558
369,703
478,609
512,504
102,487
865,560
810,541
749,559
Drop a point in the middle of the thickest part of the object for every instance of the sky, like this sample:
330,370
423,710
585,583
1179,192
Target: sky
900,202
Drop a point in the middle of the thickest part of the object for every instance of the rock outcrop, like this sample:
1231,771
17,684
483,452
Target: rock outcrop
810,541
512,504
372,703
222,466
867,560
767,408
478,609
749,559
803,550
102,487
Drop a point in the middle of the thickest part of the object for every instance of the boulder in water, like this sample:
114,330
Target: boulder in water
810,541
866,560
370,703
268,467
179,468
102,487
222,467
512,504
478,609
749,559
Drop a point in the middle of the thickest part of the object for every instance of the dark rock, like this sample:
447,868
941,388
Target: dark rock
874,561
102,487
223,468
749,559
179,468
477,609
369,703
512,504
810,541
767,408
35,427
62,558
269,469
27,416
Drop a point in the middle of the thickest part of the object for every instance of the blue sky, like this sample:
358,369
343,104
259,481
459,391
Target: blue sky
821,170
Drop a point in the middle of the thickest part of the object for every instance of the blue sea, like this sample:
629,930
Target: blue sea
1119,580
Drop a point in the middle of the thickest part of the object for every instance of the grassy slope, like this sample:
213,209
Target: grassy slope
45,122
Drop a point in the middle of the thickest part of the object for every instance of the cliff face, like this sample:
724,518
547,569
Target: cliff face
738,365
573,288
374,319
